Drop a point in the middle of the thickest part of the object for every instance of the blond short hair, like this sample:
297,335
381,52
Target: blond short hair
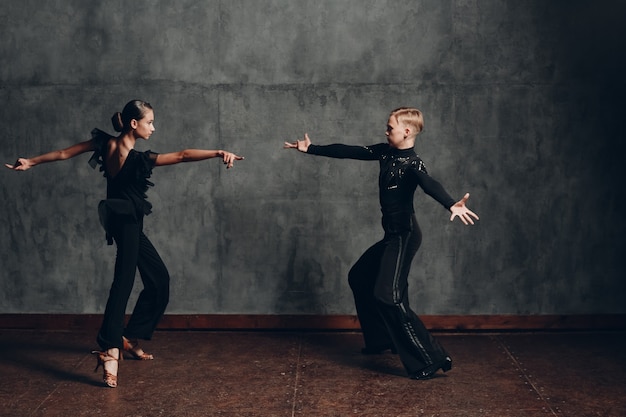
409,116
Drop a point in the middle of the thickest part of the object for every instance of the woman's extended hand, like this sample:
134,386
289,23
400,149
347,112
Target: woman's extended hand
22,164
301,145
462,212
229,158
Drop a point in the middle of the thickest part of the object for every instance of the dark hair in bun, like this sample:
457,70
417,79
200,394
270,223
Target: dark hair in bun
134,109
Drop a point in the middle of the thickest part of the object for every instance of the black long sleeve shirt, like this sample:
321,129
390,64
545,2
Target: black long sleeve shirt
401,171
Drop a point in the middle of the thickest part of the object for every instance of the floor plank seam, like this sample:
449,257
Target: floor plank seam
526,377
45,399
296,379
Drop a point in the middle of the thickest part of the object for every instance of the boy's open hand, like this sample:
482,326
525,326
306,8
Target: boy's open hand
301,145
462,212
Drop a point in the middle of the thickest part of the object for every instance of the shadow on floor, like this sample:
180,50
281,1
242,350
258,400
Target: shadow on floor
314,374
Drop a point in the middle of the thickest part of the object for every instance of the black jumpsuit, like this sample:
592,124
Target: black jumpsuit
121,214
379,279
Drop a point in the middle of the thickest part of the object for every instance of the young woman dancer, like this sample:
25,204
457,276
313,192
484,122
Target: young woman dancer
379,279
127,171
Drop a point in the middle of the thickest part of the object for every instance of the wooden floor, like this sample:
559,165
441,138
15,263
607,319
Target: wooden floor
265,373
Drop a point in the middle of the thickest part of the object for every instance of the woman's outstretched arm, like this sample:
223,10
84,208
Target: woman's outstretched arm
193,155
22,164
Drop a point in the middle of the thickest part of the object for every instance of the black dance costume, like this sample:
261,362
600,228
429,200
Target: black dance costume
121,214
379,278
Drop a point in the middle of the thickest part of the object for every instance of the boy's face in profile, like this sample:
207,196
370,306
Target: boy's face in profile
399,135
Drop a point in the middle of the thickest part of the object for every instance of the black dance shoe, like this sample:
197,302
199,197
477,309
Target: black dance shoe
378,350
430,371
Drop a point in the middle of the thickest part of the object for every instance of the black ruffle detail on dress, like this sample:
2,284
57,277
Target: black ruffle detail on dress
97,158
145,163
113,211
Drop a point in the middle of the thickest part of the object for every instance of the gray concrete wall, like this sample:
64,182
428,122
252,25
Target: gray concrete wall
524,108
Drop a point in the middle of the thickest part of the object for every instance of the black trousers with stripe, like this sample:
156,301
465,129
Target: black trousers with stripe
379,282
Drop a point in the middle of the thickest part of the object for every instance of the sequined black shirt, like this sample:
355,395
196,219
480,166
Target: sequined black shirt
401,171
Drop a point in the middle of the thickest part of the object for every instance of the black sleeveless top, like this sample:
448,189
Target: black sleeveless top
126,191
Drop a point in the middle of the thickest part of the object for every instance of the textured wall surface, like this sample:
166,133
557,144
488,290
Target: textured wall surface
524,108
